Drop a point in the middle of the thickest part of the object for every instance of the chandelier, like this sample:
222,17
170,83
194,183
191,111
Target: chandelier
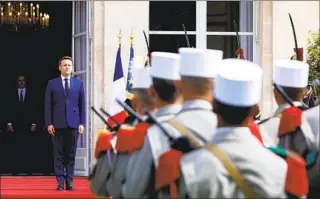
21,14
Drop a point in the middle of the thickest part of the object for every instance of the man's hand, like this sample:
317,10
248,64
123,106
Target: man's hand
10,128
80,129
51,130
33,128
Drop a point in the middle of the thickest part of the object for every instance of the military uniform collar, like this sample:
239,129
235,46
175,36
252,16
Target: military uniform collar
225,134
284,106
171,109
197,103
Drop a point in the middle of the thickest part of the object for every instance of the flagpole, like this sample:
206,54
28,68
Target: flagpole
119,38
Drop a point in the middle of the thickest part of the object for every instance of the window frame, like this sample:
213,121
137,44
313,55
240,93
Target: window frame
201,32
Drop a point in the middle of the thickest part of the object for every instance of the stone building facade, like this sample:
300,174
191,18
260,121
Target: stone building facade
266,32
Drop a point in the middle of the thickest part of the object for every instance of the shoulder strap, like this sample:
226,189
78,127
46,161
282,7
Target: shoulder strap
184,131
232,170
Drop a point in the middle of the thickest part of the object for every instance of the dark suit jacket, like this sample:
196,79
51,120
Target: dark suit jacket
64,111
21,115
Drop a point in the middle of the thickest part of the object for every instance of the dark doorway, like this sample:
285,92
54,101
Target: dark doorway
34,54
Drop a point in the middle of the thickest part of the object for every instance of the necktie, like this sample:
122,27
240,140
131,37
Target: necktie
66,86
21,96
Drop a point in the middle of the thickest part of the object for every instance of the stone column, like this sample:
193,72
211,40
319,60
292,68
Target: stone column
266,57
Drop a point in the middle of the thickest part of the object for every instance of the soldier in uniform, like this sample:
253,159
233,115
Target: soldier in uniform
292,77
197,69
262,174
290,127
166,91
141,84
109,169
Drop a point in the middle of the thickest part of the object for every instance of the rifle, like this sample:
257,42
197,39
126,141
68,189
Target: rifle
117,126
294,37
181,143
100,116
186,35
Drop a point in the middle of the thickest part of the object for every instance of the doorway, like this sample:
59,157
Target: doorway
34,54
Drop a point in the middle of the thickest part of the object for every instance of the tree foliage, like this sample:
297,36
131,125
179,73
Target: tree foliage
313,57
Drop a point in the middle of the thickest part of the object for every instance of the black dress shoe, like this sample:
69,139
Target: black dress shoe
69,186
60,187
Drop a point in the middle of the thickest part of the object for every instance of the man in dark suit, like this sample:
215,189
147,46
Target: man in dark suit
65,115
21,114
21,123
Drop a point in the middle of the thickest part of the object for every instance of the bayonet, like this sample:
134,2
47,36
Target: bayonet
148,47
294,37
237,34
186,35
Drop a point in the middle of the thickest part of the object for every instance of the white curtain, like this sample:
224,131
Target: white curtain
246,22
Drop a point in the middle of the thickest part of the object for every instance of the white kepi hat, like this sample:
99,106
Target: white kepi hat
238,83
141,78
199,62
165,65
291,73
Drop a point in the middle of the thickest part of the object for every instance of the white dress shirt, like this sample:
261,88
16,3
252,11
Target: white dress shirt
23,93
62,77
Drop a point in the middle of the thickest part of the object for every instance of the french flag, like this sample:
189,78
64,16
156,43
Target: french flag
118,92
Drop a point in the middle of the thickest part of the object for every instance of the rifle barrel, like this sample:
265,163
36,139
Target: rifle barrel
100,116
107,114
130,110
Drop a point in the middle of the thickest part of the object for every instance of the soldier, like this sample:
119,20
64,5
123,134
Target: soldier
141,84
197,69
253,171
110,164
290,127
284,127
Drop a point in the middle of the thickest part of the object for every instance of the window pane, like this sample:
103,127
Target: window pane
80,53
80,17
82,139
228,44
170,43
220,16
170,15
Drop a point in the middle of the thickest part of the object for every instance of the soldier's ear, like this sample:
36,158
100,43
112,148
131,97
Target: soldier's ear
152,92
178,85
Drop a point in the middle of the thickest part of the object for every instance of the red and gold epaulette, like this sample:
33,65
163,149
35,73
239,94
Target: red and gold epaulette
297,182
103,143
124,136
168,171
255,130
290,120
131,139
